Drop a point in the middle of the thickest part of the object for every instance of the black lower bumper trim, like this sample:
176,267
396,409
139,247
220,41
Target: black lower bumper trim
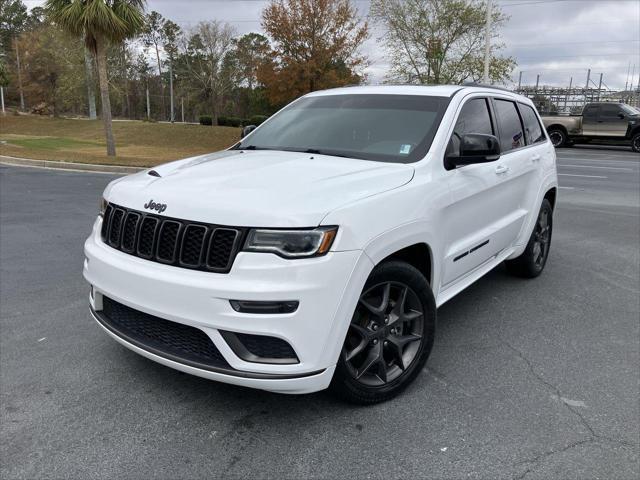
100,318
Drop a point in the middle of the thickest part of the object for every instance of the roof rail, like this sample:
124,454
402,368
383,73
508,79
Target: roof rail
485,85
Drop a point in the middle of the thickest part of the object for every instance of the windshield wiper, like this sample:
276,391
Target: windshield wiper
319,151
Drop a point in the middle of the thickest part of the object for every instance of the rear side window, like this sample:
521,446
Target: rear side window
532,127
511,135
474,118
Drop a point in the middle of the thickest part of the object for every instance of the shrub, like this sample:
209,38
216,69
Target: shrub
234,122
205,120
257,119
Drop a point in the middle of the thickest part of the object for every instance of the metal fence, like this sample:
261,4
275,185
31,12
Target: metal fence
572,100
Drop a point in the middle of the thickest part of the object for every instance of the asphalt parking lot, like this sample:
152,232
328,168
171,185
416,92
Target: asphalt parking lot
528,379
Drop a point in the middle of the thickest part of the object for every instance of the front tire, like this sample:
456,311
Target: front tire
390,336
532,261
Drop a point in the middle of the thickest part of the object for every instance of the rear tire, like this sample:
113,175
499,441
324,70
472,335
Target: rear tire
532,261
558,137
635,142
390,336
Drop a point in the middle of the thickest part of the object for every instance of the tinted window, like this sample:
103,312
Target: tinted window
511,135
531,125
474,118
590,111
611,110
386,128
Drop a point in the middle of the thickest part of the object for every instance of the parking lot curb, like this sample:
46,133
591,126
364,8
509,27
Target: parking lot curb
84,167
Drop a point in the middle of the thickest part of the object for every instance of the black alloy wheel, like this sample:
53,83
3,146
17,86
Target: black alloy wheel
542,238
532,261
384,334
389,337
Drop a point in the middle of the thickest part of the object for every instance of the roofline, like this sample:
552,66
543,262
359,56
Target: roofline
453,93
486,85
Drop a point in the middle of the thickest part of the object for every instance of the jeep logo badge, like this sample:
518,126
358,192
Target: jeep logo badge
158,207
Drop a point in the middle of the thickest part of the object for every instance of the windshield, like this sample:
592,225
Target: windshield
630,110
385,128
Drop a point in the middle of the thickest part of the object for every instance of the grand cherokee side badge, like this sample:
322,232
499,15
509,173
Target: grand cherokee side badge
158,207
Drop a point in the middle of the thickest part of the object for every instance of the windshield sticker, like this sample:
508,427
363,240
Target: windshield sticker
405,149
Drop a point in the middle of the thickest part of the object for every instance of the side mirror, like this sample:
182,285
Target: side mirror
472,148
621,115
247,130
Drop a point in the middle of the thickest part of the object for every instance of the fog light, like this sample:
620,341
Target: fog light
246,306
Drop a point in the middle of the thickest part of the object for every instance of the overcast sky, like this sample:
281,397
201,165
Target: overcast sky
557,39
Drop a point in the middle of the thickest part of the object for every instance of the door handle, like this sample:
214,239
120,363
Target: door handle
500,169
535,158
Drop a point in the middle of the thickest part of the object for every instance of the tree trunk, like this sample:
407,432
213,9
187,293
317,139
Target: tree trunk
101,59
164,108
91,93
126,105
214,112
15,42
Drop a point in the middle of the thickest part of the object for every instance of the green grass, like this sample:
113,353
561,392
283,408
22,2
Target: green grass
137,143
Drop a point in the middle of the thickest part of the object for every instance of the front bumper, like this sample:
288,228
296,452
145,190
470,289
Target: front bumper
327,289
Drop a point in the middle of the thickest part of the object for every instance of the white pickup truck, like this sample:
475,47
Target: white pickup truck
603,122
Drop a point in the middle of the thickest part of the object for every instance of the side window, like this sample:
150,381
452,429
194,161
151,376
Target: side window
610,110
474,118
510,126
532,127
591,111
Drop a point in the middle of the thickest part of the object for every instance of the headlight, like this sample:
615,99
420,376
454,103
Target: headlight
291,243
102,206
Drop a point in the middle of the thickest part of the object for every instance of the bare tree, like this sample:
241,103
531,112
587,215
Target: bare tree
152,36
439,41
209,63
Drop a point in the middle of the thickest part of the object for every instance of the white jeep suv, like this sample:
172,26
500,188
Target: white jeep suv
315,252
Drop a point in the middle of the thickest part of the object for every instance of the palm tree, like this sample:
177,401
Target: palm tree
100,22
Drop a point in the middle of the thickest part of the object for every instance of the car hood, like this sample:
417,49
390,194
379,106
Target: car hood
257,188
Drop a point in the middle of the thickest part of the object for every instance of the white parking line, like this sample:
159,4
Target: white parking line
602,161
567,188
594,166
584,176
597,155
629,158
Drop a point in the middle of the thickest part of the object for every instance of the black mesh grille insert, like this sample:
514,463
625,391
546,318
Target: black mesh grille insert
129,232
220,247
116,227
161,336
170,240
266,347
105,222
147,235
192,243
